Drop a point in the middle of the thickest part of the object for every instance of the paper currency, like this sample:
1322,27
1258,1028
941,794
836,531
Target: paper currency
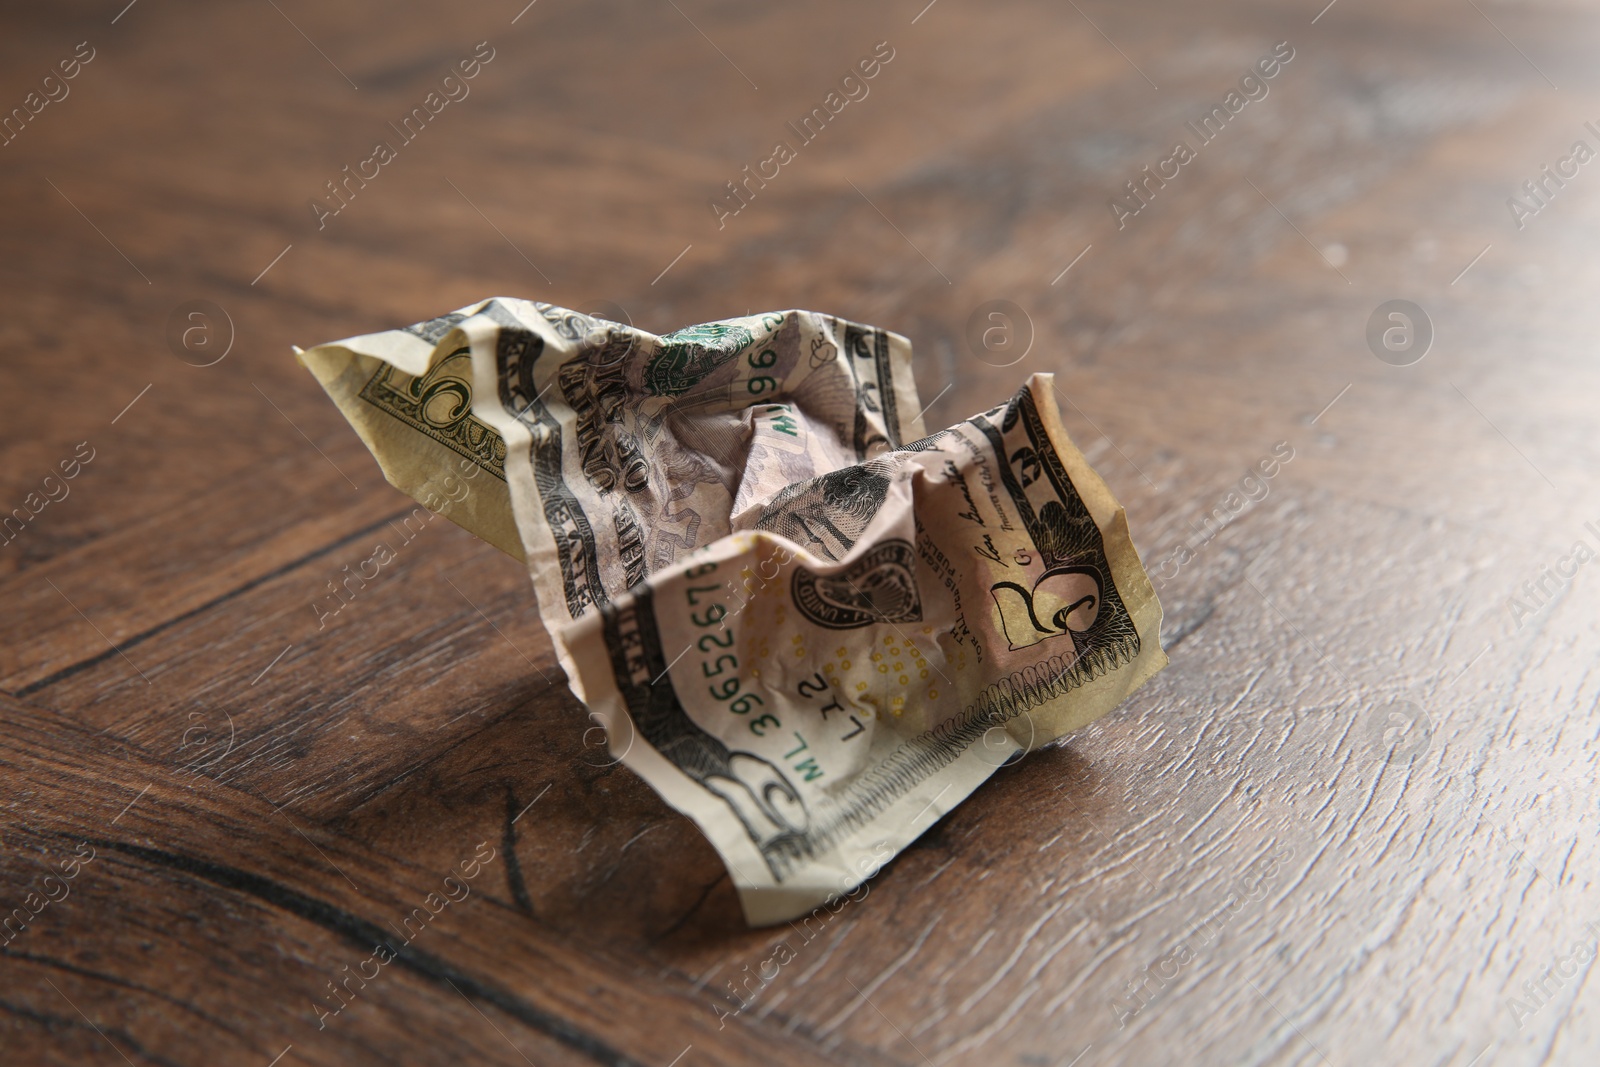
808,626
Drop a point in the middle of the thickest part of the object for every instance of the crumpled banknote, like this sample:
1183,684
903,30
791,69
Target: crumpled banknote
809,625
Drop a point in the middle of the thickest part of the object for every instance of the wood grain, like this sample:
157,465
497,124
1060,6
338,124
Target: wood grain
1227,870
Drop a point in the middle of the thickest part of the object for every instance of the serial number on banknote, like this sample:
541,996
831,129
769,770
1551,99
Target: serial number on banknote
721,685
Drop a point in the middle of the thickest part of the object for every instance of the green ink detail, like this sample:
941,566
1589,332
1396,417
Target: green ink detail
689,355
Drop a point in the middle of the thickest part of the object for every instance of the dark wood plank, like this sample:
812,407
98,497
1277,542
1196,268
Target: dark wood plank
258,910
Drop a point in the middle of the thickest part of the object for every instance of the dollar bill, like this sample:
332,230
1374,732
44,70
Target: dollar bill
632,449
808,625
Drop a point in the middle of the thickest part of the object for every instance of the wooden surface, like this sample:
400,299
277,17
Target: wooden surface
264,799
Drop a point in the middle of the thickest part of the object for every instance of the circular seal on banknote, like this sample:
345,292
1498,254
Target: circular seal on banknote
689,355
881,586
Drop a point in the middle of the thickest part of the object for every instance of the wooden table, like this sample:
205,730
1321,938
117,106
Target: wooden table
1351,824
